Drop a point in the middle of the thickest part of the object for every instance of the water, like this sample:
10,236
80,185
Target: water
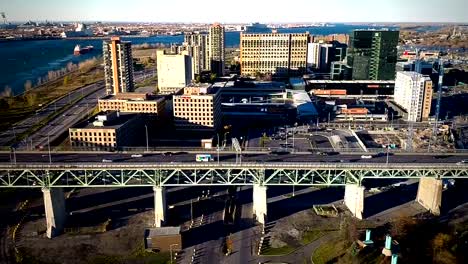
30,60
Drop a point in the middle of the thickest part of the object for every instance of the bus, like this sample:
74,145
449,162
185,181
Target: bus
203,157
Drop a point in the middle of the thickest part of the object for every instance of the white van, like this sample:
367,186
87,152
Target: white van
366,157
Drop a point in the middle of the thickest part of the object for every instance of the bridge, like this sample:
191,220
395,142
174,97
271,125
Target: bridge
159,171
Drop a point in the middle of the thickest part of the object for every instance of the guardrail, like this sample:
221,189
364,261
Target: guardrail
231,165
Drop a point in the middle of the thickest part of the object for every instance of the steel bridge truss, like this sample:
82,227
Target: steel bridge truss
107,176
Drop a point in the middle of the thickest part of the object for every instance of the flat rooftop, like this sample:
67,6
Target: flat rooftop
350,82
111,124
134,97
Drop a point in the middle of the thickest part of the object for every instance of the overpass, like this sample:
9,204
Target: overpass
158,174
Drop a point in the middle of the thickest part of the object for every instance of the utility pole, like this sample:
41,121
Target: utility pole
147,144
48,144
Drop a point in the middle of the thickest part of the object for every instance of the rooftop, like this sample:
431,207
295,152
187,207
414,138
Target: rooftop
112,120
351,82
164,231
134,97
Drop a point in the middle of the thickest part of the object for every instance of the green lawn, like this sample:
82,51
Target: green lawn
311,236
278,251
328,251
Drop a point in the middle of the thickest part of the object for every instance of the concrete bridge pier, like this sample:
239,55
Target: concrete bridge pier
430,194
159,205
55,213
354,199
260,203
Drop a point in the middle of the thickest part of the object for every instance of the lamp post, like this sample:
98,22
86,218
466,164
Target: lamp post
147,144
217,146
48,146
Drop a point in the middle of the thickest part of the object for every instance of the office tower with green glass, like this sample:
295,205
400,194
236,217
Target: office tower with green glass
373,54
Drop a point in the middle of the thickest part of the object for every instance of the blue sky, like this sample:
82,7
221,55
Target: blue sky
238,10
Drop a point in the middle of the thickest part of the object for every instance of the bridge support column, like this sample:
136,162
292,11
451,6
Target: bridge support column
54,205
430,194
260,203
354,199
159,205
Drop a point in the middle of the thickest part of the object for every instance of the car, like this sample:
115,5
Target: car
463,162
167,154
106,160
136,156
366,157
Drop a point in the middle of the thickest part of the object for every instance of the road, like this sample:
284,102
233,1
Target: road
61,123
22,126
90,157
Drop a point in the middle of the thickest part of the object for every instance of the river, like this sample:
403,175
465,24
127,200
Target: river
30,60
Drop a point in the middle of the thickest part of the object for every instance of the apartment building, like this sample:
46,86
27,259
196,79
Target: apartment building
413,92
118,66
216,49
196,45
274,53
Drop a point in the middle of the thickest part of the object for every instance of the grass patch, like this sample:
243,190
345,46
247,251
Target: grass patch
278,251
311,236
329,251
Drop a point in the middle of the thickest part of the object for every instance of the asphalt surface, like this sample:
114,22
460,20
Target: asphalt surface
22,126
61,123
183,157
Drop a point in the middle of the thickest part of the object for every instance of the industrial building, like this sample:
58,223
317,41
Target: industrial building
198,108
413,93
216,49
373,54
277,54
108,130
245,103
174,71
118,66
133,103
351,88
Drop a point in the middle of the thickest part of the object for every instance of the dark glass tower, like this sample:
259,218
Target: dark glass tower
373,54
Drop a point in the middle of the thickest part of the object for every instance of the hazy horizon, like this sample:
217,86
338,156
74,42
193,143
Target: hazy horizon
240,11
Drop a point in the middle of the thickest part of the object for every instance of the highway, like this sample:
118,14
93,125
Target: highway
184,157
61,123
22,126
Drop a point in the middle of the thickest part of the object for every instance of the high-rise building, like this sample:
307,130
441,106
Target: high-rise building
373,54
274,53
174,71
413,92
216,49
196,45
199,108
320,55
118,66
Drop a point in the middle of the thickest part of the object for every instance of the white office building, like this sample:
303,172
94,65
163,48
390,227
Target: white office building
174,71
413,92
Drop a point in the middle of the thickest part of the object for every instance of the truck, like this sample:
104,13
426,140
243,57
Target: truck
203,158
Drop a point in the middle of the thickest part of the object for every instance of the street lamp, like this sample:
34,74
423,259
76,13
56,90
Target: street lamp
48,144
170,249
147,144
217,145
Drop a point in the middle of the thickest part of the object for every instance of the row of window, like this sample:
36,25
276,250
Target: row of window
92,139
90,134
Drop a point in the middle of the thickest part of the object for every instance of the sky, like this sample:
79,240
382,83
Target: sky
237,11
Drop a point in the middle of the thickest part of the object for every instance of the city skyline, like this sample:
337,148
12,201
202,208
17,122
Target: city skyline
396,11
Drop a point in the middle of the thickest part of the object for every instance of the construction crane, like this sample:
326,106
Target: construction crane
439,95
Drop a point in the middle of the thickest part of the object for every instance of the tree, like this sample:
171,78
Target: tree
65,80
213,77
27,85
